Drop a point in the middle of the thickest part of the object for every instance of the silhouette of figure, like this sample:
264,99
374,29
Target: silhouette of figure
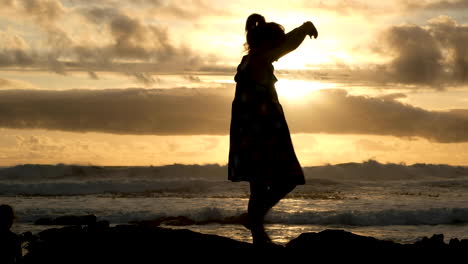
261,150
10,244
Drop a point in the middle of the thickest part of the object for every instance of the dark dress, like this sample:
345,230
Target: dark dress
261,149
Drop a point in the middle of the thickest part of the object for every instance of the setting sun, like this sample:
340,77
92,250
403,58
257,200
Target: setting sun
298,90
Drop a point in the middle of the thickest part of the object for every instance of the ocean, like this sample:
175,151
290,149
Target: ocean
397,202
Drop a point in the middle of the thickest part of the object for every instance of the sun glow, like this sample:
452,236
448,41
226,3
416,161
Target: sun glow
297,89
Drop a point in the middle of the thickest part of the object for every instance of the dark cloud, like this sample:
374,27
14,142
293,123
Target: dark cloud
144,78
417,55
148,45
99,14
371,9
44,14
437,5
43,11
192,78
93,75
435,54
132,39
14,51
453,37
336,112
16,57
136,47
133,111
207,111
393,96
462,113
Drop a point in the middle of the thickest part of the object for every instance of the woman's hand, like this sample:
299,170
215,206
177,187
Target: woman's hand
311,30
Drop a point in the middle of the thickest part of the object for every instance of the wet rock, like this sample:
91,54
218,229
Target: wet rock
339,240
98,225
140,243
60,245
435,242
67,220
170,221
455,243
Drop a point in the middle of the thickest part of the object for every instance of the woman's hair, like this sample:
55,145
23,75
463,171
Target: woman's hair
7,216
262,35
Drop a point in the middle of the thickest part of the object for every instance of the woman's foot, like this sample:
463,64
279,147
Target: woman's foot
259,236
262,240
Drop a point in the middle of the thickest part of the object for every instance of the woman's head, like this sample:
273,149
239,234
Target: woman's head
7,216
262,35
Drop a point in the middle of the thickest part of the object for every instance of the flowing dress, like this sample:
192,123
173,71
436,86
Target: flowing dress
260,148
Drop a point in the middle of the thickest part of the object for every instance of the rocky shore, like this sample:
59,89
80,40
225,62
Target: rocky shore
97,241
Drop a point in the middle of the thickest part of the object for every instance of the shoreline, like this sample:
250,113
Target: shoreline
98,239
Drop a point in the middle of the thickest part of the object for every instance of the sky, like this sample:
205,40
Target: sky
150,82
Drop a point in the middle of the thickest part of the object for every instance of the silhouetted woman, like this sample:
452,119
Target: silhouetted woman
261,150
10,244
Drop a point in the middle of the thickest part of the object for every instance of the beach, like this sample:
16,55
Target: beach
97,241
394,202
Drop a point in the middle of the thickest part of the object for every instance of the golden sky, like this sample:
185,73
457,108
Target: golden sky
150,82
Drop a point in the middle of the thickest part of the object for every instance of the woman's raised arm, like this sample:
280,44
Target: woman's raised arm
293,39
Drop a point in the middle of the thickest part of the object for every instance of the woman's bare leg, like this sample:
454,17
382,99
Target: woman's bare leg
262,198
258,207
276,192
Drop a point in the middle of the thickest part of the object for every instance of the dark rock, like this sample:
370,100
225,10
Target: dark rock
68,220
464,243
339,240
455,243
139,243
170,221
44,221
55,234
185,221
27,236
178,221
122,242
435,242
99,225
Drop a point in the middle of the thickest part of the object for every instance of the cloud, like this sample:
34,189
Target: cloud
44,14
437,5
127,44
185,9
129,111
14,51
15,84
453,38
372,145
374,8
7,3
434,54
342,7
147,45
361,8
41,144
207,111
336,112
181,9
43,11
414,62
393,96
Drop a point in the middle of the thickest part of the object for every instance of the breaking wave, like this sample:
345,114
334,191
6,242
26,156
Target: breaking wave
208,215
